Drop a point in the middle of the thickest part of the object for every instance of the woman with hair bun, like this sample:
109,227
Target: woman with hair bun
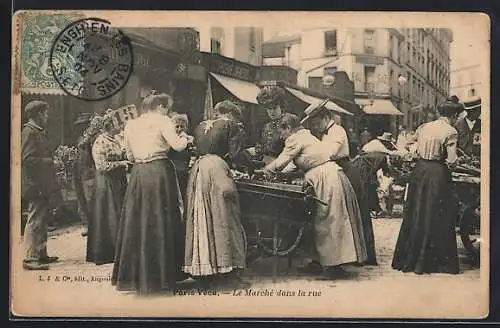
273,100
214,235
338,233
150,242
427,239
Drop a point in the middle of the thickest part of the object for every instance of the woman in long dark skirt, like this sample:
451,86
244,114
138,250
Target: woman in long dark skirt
368,164
427,239
150,244
110,184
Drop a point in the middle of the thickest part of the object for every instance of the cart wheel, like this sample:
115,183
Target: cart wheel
469,233
289,238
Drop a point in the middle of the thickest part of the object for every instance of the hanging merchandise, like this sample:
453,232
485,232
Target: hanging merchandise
121,115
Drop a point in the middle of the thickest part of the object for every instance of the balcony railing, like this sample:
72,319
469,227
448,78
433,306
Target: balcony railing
330,52
369,50
369,87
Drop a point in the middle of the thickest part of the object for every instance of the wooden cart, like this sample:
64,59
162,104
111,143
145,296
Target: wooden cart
274,216
467,190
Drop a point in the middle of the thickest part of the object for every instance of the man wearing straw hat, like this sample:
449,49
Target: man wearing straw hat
469,128
320,120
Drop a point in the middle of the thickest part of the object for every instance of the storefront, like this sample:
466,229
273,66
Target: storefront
241,83
234,80
380,115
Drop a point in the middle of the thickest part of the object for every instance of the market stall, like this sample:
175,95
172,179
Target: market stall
466,183
275,214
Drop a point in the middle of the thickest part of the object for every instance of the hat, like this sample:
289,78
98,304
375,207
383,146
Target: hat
386,136
313,110
473,103
270,95
35,105
450,106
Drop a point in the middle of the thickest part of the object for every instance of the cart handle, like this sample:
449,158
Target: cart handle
317,200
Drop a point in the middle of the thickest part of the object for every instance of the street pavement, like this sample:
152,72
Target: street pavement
370,291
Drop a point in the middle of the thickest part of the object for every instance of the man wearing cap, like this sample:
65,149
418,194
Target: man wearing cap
469,128
39,187
334,138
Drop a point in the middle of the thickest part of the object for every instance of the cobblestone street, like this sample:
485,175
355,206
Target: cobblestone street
378,290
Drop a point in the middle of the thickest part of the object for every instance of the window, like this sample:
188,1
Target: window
315,83
252,40
331,42
391,78
215,46
400,52
414,86
391,46
369,41
408,89
330,71
408,53
369,78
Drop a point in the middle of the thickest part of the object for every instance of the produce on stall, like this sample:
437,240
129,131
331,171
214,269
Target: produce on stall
466,187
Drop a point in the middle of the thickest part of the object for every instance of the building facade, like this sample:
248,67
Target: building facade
240,43
406,68
465,81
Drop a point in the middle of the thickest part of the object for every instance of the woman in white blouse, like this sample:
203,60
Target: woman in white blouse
427,241
150,244
338,228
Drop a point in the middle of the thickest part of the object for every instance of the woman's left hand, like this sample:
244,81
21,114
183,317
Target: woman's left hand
268,174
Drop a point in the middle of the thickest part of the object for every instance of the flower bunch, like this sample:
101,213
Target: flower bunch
65,157
401,167
90,133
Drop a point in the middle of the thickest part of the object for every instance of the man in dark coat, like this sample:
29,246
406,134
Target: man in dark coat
39,187
469,128
365,137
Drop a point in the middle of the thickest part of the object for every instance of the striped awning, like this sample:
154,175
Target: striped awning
314,100
242,90
378,107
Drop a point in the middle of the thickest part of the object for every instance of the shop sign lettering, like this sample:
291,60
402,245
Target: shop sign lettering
231,68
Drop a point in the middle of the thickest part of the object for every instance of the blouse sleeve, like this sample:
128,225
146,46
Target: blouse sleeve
128,149
177,142
290,152
335,138
451,147
100,151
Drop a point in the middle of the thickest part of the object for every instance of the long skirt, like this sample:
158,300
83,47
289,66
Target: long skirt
103,223
354,177
150,242
214,235
427,239
338,229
